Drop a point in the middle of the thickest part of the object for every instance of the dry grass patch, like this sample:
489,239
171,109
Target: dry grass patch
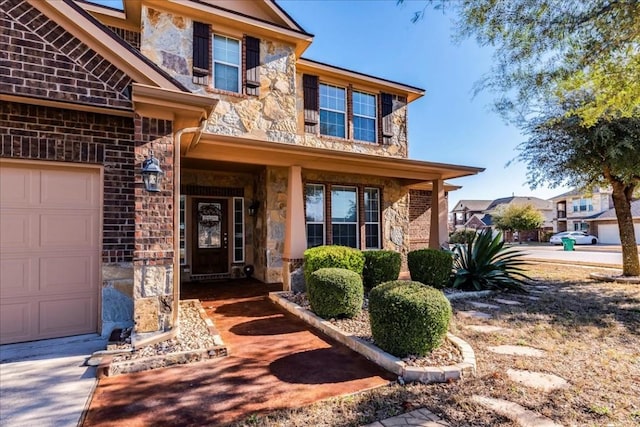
590,331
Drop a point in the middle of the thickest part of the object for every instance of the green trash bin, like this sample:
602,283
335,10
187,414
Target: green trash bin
567,243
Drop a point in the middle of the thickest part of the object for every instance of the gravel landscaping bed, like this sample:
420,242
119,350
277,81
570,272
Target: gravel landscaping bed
193,335
447,354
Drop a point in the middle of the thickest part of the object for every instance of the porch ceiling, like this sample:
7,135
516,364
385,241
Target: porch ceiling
256,152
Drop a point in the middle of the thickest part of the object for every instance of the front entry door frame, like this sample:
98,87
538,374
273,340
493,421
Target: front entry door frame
210,231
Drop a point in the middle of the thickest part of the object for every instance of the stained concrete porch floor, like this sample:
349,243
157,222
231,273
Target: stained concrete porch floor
276,361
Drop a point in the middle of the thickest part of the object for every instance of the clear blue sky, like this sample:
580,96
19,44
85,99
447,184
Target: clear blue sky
448,124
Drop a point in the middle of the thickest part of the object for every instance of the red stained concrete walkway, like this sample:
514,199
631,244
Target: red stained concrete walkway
275,361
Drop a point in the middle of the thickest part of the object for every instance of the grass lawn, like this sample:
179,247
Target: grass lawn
591,334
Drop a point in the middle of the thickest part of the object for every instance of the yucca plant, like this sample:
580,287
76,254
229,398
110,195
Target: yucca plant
484,263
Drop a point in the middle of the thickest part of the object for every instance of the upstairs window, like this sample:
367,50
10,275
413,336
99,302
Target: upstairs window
226,63
333,107
582,205
364,117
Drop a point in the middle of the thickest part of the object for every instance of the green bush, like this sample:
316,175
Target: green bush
380,267
485,263
462,236
332,257
335,292
430,266
408,317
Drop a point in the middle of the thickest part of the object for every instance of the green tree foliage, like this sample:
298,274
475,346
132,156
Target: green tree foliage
560,149
518,218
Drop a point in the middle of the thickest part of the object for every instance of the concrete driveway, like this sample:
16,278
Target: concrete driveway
45,383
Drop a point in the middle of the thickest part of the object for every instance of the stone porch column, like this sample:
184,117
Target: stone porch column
438,233
295,241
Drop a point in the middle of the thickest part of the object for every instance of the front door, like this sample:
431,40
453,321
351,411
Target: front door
210,237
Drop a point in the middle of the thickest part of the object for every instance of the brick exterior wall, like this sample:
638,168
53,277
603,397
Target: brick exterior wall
131,37
40,59
419,218
53,134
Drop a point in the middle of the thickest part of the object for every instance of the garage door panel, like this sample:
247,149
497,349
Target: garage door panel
610,234
68,188
15,322
70,272
74,315
19,186
74,230
16,276
18,230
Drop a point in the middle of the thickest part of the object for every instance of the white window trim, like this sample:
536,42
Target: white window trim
214,61
343,112
371,222
324,221
375,117
357,222
241,199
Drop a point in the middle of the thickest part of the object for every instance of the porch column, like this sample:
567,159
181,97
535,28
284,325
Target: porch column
295,241
438,233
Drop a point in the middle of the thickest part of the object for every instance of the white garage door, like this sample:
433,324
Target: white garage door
608,233
49,251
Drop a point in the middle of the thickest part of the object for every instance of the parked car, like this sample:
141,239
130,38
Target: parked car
580,238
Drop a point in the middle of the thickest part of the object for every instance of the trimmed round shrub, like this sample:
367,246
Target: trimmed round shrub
380,267
430,266
408,317
332,257
335,292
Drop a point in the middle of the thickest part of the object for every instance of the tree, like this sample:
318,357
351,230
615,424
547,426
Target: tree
517,218
585,57
560,149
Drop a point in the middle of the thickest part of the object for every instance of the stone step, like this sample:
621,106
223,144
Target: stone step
517,350
479,304
475,314
486,329
537,380
507,301
515,412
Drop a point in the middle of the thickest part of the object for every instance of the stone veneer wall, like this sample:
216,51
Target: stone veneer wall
419,218
276,113
154,253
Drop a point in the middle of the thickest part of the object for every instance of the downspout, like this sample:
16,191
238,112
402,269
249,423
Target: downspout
176,210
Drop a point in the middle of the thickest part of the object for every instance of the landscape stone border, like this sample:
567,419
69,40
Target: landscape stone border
615,278
108,367
432,374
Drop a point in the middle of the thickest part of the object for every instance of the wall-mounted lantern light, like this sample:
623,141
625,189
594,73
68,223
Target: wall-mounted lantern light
151,173
253,208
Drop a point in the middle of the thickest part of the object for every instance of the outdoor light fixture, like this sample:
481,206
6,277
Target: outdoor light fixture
151,173
253,207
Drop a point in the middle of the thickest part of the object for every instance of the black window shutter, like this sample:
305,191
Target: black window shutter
311,103
385,114
201,35
252,64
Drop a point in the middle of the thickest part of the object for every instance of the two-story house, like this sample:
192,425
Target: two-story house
469,214
573,209
263,154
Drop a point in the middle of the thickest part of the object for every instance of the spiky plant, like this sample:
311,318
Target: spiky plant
484,263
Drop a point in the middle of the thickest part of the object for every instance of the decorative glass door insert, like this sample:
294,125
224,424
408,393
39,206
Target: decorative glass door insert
209,225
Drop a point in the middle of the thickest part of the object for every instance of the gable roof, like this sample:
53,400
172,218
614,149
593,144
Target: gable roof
471,205
107,44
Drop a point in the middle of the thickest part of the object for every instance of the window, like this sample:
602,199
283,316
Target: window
226,63
333,111
314,200
580,226
372,218
582,205
364,117
344,216
238,229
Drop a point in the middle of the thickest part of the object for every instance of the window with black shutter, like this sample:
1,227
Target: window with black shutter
386,110
311,103
252,64
201,58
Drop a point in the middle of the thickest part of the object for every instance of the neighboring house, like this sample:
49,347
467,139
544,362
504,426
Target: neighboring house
264,153
574,209
605,225
469,214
